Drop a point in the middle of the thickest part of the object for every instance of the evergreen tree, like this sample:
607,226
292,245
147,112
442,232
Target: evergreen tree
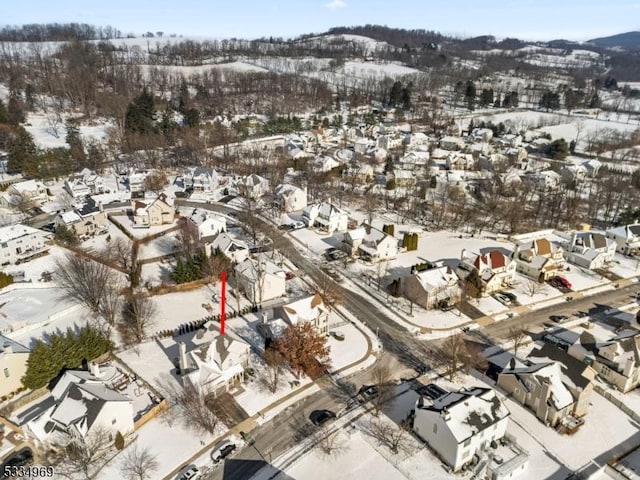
550,100
470,95
140,114
4,114
395,94
21,150
192,118
486,97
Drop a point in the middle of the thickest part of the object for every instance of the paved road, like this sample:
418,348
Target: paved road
594,305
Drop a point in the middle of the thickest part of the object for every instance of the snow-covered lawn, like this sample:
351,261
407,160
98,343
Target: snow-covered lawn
72,318
164,245
625,267
174,309
171,444
349,350
127,223
33,269
582,279
156,273
490,305
527,294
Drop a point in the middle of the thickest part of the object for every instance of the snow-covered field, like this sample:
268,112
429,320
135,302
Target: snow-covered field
49,131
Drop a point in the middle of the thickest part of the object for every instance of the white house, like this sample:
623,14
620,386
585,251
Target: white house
590,250
327,216
13,365
627,238
83,403
234,250
254,186
136,183
459,425
428,287
371,244
260,280
201,179
213,361
309,309
290,198
29,190
76,187
494,268
20,242
325,164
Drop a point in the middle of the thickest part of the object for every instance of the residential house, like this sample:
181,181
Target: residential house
13,365
482,134
19,243
201,179
539,259
309,309
371,244
590,250
325,164
254,186
451,143
136,184
616,360
573,173
627,238
31,190
234,250
495,269
364,174
460,161
326,216
415,159
428,288
260,280
556,392
404,178
83,404
154,213
213,361
290,198
85,220
76,187
544,180
460,425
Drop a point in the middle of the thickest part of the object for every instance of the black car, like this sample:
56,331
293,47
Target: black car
509,295
19,459
368,392
320,417
559,318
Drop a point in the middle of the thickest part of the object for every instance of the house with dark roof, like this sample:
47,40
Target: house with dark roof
85,220
13,365
616,360
460,425
83,404
590,250
233,249
495,269
539,259
555,386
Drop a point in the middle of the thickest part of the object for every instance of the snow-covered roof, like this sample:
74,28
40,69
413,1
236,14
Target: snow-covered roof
12,232
7,345
435,278
249,269
549,373
306,309
468,412
27,186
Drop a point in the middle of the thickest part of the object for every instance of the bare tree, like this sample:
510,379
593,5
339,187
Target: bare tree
83,279
82,455
24,204
331,443
120,252
137,318
111,302
531,287
396,437
274,366
190,405
329,291
382,377
138,464
517,337
453,354
155,182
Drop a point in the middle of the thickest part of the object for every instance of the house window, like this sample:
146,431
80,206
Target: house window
467,442
6,372
435,428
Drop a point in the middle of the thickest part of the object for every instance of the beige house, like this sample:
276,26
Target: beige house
157,212
13,365
555,392
29,189
85,221
539,259
429,287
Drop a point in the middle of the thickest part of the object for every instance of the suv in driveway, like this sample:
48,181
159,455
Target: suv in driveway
223,450
190,472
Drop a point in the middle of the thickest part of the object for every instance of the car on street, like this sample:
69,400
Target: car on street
222,450
320,417
559,318
190,472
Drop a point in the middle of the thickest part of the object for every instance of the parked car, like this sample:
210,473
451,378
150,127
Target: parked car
190,472
502,298
560,282
338,336
223,450
298,225
368,392
509,295
320,417
288,276
559,318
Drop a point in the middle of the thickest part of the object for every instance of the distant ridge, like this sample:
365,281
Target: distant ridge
628,41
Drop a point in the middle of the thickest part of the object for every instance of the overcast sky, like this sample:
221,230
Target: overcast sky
526,19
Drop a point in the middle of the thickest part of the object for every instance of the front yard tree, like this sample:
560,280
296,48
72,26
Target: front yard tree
82,456
305,349
396,437
274,365
190,405
155,182
517,335
381,376
531,287
454,354
138,464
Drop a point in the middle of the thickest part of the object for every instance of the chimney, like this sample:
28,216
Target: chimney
183,357
100,207
462,254
94,368
265,317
